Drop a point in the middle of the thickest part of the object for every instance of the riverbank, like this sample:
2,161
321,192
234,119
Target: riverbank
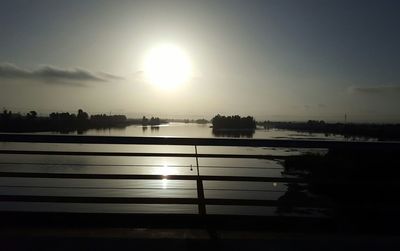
381,132
68,122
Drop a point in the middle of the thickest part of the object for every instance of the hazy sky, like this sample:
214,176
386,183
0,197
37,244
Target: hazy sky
276,60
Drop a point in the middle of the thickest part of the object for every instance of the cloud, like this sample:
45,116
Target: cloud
109,76
378,89
51,74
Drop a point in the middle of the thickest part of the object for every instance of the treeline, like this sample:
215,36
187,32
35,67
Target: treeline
233,123
378,131
153,121
61,122
197,121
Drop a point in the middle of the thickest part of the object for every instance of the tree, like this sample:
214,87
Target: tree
82,115
31,115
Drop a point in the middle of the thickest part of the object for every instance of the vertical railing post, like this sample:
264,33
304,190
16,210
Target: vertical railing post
200,189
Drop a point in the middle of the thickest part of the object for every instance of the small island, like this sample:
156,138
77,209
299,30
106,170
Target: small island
233,126
153,121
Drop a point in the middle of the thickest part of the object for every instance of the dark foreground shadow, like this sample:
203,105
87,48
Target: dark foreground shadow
360,188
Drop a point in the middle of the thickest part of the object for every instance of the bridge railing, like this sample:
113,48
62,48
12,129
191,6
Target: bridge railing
201,200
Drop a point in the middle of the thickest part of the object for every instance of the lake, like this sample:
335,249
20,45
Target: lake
203,131
149,165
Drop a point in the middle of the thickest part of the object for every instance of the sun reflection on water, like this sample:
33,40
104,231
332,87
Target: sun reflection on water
165,171
164,183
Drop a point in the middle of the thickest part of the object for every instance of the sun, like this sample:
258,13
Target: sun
167,66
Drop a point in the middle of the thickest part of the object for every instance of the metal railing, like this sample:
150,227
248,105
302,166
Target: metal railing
201,201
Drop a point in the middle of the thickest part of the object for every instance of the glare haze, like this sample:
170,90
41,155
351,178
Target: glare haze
274,60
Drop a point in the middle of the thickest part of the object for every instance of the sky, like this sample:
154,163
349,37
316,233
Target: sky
274,60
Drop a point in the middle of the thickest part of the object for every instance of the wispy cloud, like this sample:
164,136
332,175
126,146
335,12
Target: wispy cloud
52,74
377,89
109,76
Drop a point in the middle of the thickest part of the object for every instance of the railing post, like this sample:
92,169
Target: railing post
200,189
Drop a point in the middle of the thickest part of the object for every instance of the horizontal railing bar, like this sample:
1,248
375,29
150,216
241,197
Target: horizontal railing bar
190,177
86,164
97,176
106,200
145,188
166,201
242,167
149,177
245,190
271,203
254,179
138,154
37,138
102,188
137,165
111,154
146,200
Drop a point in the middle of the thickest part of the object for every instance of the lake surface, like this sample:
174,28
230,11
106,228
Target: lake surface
148,165
204,131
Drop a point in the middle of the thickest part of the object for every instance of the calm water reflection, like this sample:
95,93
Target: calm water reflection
202,131
145,165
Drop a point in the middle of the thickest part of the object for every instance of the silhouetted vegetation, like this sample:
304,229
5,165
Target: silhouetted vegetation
153,121
378,131
60,122
233,122
233,126
197,121
360,186
202,121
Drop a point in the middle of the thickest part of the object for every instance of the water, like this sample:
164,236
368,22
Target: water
165,166
203,131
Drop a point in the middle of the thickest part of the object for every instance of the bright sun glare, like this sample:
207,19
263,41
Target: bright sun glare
167,66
